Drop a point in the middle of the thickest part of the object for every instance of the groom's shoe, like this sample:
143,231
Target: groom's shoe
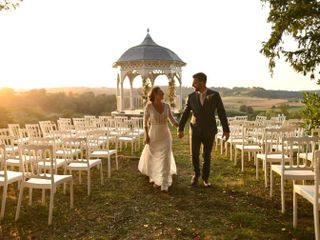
194,180
206,183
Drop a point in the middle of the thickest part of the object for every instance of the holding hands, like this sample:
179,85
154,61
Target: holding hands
146,139
225,136
180,134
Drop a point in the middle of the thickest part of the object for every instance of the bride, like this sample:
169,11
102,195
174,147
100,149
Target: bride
157,161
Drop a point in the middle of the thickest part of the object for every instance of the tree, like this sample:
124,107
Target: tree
299,19
5,117
312,110
9,4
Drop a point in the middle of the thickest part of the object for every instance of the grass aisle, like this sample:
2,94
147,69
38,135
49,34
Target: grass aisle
128,207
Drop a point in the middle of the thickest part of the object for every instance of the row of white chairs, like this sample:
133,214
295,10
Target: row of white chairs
33,176
75,147
71,154
127,131
285,150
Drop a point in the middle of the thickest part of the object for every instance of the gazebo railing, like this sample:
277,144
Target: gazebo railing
138,103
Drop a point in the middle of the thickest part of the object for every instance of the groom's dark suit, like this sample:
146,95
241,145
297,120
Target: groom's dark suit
204,127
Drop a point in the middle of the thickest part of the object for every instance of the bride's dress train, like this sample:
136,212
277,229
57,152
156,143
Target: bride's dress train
157,159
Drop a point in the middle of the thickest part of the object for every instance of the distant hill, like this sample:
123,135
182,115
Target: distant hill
253,92
80,90
224,92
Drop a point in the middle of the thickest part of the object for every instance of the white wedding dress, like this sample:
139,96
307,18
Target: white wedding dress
157,161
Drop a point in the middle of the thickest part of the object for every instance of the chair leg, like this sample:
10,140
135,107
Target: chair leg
271,183
242,161
295,208
109,167
257,169
19,202
71,194
89,183
265,174
43,196
4,198
51,206
101,173
226,148
30,196
117,164
316,220
283,206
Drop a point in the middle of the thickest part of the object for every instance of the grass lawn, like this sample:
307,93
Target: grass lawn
237,206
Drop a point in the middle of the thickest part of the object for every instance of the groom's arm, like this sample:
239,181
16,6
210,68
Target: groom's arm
222,116
185,116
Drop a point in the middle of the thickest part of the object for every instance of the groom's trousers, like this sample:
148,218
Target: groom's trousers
206,138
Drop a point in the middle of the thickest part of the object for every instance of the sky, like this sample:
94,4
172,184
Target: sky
73,43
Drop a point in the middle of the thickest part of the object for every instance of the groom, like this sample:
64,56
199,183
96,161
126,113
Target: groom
203,103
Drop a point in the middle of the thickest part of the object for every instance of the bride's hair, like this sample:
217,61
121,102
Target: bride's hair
153,93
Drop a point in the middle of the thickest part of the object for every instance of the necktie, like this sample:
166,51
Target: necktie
202,96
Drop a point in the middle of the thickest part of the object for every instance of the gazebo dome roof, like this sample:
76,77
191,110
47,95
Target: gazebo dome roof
148,50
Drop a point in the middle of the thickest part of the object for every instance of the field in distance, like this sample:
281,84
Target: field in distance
233,102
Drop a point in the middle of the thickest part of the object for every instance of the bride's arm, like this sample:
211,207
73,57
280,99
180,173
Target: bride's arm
146,117
173,121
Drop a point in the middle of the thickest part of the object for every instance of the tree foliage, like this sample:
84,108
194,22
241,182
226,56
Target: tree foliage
299,19
312,110
9,4
36,105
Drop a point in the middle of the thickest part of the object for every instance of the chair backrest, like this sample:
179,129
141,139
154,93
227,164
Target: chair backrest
317,177
75,149
272,138
31,155
260,119
47,127
138,121
97,139
90,122
33,130
48,141
79,123
242,118
315,132
10,144
252,133
65,124
294,147
3,162
14,129
4,132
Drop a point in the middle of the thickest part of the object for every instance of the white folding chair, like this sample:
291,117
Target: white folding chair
99,147
294,169
310,193
35,178
76,153
6,178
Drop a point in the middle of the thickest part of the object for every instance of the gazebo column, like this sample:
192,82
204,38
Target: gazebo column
180,92
121,93
131,94
121,96
118,93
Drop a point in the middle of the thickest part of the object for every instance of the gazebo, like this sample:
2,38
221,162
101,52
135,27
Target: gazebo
148,60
